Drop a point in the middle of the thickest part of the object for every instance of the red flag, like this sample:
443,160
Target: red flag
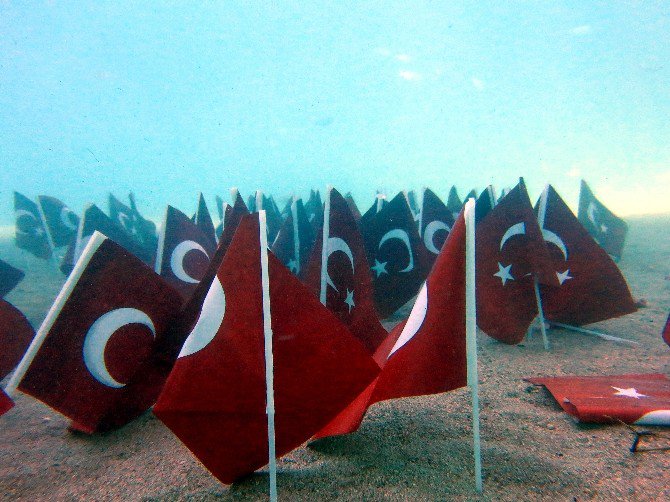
666,331
30,233
379,204
16,333
346,286
6,403
295,239
591,286
396,254
9,277
510,254
215,398
352,206
633,399
100,360
184,252
435,222
203,220
59,220
603,225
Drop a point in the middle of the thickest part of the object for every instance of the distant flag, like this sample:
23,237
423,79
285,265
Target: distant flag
485,202
216,399
295,239
274,219
6,403
145,230
607,229
16,333
184,252
59,220
203,220
435,223
379,204
121,215
225,207
398,259
503,193
352,206
97,358
9,277
339,274
642,399
454,203
314,210
251,203
67,262
30,233
666,331
591,286
413,203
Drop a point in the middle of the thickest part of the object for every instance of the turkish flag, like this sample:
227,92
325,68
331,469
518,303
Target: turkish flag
396,255
510,254
184,252
349,292
632,398
140,231
295,239
16,333
272,215
9,277
591,286
99,363
379,204
203,220
60,221
314,210
30,233
435,224
215,397
67,262
485,203
666,331
6,403
144,230
603,225
352,206
454,203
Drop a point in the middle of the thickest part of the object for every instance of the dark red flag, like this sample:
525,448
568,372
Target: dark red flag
346,286
379,204
6,403
215,398
352,206
633,399
9,277
435,222
396,254
59,220
591,286
295,239
603,225
666,331
30,233
184,252
100,361
16,333
203,220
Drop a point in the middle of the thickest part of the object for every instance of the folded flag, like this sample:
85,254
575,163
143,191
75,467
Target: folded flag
591,287
9,277
30,233
295,239
215,397
603,225
6,403
98,357
203,220
59,220
435,223
16,333
642,399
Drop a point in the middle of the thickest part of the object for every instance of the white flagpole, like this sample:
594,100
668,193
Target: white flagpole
54,258
593,332
269,361
93,244
541,214
296,234
471,335
324,246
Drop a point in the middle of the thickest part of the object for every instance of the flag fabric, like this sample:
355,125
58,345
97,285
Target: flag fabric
435,223
666,331
184,252
605,227
100,362
413,204
510,255
484,203
30,233
141,232
396,255
352,206
591,286
454,203
16,333
379,204
59,220
346,288
225,208
642,399
67,261
273,217
9,277
203,220
215,398
314,210
6,403
295,239
145,230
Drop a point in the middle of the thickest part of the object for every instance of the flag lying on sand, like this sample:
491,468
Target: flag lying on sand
16,333
98,357
605,227
59,220
591,286
215,397
30,233
6,403
435,222
184,252
345,286
295,239
666,331
9,277
633,399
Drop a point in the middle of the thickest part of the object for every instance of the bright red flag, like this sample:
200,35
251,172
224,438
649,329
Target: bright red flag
6,403
16,333
666,331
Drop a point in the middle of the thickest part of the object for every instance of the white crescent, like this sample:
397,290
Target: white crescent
554,239
337,244
20,213
402,236
656,417
516,229
414,321
65,218
429,234
591,213
124,221
99,334
209,322
177,260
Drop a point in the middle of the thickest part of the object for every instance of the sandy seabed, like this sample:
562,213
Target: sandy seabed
409,449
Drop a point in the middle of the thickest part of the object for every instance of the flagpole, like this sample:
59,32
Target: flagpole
540,313
296,234
471,336
48,232
593,332
324,245
269,361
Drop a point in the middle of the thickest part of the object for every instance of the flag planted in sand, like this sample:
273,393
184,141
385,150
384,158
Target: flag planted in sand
603,225
435,223
16,333
30,232
9,277
59,220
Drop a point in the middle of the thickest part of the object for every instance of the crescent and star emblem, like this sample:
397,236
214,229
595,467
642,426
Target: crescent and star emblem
337,244
414,321
592,213
37,229
177,260
429,234
67,218
504,270
209,322
554,239
403,237
98,336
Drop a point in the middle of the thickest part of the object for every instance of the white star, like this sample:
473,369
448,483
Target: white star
293,266
380,267
503,273
603,228
39,231
349,300
628,392
563,276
